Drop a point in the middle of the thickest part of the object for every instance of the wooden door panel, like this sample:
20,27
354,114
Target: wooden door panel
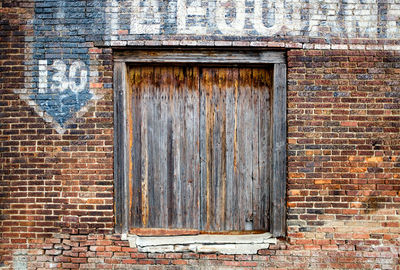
199,147
236,109
164,147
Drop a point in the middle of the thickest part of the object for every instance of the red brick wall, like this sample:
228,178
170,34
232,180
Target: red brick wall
344,156
13,116
343,175
56,190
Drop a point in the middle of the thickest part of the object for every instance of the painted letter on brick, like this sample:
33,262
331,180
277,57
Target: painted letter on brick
193,9
77,71
42,76
278,21
236,27
145,17
60,81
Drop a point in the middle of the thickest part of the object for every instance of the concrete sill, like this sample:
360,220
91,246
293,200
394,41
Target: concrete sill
202,243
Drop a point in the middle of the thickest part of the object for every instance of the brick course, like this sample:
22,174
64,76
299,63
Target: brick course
56,189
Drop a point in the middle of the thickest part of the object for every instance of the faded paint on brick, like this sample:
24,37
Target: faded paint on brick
314,18
64,31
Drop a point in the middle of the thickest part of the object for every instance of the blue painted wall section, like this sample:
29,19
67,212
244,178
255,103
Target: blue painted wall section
63,33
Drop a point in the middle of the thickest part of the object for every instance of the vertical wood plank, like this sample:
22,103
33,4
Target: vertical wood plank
217,181
256,89
155,185
208,75
203,149
236,157
245,148
147,74
120,153
196,148
261,81
191,122
183,138
231,81
170,158
177,152
222,123
150,126
278,190
165,84
136,155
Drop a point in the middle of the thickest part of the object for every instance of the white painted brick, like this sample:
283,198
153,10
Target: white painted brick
118,43
339,46
392,47
357,47
322,46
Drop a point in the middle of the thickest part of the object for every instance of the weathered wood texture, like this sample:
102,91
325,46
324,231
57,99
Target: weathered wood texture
199,147
201,56
278,194
120,153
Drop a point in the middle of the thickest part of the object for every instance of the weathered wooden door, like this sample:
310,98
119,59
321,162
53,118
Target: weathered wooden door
199,147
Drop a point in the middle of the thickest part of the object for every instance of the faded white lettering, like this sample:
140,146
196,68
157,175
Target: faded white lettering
236,27
42,76
145,17
186,9
76,80
279,18
60,81
393,25
313,18
77,71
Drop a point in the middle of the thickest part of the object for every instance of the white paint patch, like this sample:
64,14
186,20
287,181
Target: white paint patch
393,25
185,10
20,260
200,248
225,244
42,76
362,19
236,27
112,17
145,17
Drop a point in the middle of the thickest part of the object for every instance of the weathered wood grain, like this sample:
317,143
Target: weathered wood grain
231,204
200,147
119,157
136,148
264,156
278,192
203,151
206,56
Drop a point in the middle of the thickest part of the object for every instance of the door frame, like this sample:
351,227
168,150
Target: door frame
231,57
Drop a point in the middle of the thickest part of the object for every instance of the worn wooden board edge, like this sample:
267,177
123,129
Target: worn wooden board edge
201,56
278,172
121,185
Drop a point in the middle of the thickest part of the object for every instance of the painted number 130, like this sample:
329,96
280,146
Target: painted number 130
75,81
